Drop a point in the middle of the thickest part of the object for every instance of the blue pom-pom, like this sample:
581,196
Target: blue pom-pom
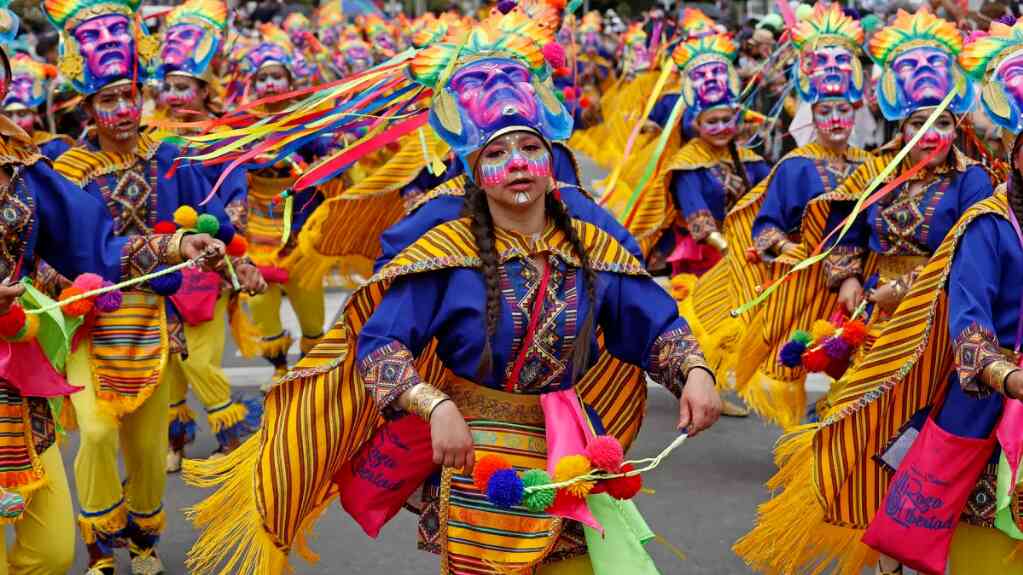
505,488
791,354
167,284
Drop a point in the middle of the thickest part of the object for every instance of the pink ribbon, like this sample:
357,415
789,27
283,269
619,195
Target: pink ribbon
568,433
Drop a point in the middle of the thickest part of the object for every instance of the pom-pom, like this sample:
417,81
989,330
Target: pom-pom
505,488
802,336
554,53
485,467
31,329
167,284
12,322
110,301
165,227
625,487
186,217
88,282
207,224
584,102
822,329
557,4
76,308
237,246
539,500
563,72
506,6
791,354
836,368
816,360
854,332
605,452
570,467
569,93
837,348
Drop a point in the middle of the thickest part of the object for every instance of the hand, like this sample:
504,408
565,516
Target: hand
8,295
1014,384
886,297
250,278
700,405
195,245
452,441
850,294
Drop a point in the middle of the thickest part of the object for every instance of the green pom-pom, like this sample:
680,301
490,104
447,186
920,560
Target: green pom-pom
802,336
207,224
540,500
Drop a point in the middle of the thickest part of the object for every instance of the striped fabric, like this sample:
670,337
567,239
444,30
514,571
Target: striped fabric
82,166
266,219
20,468
273,488
129,348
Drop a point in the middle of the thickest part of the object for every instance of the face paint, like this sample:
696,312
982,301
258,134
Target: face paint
489,90
718,127
178,93
271,82
25,119
924,74
834,117
107,44
521,152
118,112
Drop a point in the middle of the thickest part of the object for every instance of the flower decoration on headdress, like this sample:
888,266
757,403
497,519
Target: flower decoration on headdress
499,79
829,67
274,48
101,42
996,60
917,53
192,38
30,79
708,78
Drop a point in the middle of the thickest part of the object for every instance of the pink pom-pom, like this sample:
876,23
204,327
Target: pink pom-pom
554,53
88,282
569,93
605,452
110,301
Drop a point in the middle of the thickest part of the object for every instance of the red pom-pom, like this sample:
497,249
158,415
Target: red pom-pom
605,452
558,4
486,467
276,200
563,72
237,246
77,308
165,227
625,487
584,102
12,322
569,93
88,282
752,256
854,332
816,360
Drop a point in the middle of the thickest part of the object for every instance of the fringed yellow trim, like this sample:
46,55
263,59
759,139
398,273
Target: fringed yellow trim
151,524
110,523
121,405
180,412
275,347
719,347
312,270
229,518
779,401
244,332
228,417
791,536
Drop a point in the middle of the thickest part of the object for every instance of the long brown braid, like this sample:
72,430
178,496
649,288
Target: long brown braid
1015,191
482,227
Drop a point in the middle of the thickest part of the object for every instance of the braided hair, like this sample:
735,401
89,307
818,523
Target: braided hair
482,226
1015,191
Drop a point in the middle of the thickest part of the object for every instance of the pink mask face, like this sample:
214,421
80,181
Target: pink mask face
924,74
180,44
25,119
1010,73
22,88
831,70
271,81
118,111
834,121
357,59
107,44
710,81
517,154
178,93
489,90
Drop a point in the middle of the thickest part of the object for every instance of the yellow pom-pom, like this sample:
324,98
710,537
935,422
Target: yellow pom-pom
31,329
186,217
570,467
822,329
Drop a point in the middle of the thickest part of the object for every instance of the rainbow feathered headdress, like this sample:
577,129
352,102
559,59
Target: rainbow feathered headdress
429,29
910,43
996,60
696,24
696,57
30,80
829,46
191,38
79,64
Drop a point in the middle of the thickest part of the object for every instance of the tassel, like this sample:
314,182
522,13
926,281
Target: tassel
245,334
289,214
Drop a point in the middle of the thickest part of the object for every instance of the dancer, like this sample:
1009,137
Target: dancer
30,83
515,255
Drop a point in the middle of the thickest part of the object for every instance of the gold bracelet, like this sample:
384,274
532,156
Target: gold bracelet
997,373
175,246
423,398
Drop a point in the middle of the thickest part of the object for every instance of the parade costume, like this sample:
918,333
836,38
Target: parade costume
380,348
923,404
30,82
123,406
191,40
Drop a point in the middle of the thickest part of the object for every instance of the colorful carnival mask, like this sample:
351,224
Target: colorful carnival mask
917,54
635,55
589,33
996,61
274,50
29,82
329,21
101,42
381,37
354,56
500,80
297,27
708,78
192,38
829,66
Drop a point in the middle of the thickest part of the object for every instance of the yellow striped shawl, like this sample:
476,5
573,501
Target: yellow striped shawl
81,165
272,489
832,487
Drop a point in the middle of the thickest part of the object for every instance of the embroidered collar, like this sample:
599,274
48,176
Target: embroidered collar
511,244
145,148
697,154
821,152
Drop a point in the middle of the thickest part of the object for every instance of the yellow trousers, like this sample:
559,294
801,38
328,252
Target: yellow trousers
140,436
308,305
575,566
44,541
